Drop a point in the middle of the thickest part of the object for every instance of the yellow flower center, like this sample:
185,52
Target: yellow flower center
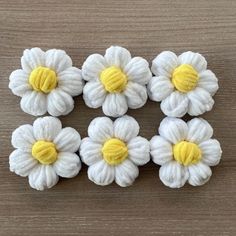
114,151
113,79
185,78
45,152
43,79
187,153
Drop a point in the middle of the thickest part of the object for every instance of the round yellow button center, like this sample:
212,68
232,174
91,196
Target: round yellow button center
43,79
185,78
114,151
113,79
45,152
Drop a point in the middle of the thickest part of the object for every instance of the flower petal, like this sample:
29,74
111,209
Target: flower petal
173,175
101,173
173,129
200,101
67,165
115,105
126,173
161,150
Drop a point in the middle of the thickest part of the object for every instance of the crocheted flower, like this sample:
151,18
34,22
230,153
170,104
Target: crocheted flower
113,151
115,81
46,82
182,84
185,151
45,151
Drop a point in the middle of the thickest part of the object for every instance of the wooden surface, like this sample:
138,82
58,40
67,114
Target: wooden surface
77,206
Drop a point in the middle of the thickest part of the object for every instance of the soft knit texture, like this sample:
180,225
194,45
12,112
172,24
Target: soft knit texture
113,151
45,151
115,81
182,84
47,82
185,151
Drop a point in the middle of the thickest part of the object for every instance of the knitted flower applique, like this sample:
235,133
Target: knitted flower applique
185,151
47,82
182,84
45,151
115,81
113,151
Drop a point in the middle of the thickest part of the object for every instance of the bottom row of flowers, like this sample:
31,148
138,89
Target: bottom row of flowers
113,150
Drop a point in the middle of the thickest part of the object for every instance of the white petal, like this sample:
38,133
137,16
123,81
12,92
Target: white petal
68,140
175,105
115,105
94,94
126,128
196,60
93,66
199,174
173,175
21,162
117,56
159,88
126,173
161,150
46,128
100,129
90,151
101,173
200,101
34,103
211,152
164,64
43,177
139,149
57,60
67,165
136,95
19,82
173,129
199,130
32,58
59,103
70,81
23,138
208,81
138,71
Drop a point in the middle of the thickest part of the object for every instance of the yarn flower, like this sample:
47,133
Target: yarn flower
113,151
185,151
45,151
46,82
115,81
182,84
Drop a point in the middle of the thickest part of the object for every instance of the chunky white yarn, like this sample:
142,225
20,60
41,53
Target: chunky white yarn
116,104
102,129
174,130
173,102
57,102
42,176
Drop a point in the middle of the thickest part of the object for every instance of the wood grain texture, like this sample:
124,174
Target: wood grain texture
147,27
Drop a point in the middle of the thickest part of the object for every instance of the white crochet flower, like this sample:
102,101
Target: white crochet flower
115,81
185,151
182,84
45,151
47,82
113,151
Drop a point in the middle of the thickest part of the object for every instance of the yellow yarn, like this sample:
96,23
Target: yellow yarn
187,153
114,151
185,78
45,152
113,79
43,79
